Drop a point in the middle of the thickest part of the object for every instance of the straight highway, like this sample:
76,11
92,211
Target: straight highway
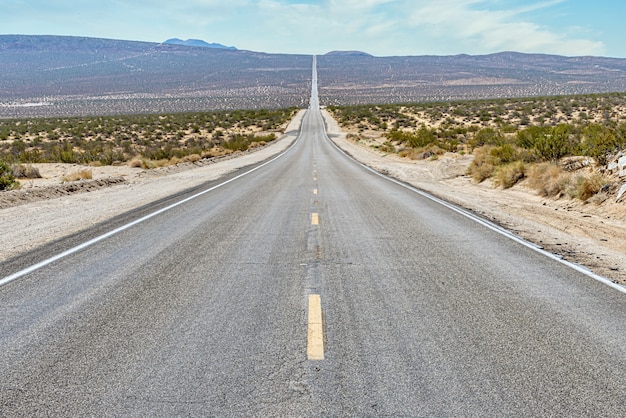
308,287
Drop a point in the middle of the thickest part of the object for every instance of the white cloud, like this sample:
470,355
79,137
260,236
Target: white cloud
478,27
381,27
409,27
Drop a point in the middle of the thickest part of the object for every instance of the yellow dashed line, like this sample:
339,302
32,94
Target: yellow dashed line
315,219
314,191
315,340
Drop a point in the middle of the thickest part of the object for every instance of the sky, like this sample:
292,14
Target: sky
379,27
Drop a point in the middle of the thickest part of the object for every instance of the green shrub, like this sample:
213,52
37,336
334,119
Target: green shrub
420,138
487,136
7,180
503,154
554,145
598,142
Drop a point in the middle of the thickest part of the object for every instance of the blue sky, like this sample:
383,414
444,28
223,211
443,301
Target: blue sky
380,27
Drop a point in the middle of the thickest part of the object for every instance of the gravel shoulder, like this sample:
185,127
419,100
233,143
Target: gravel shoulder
44,210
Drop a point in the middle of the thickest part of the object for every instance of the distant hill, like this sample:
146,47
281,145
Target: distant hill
347,54
198,43
57,75
75,75
355,79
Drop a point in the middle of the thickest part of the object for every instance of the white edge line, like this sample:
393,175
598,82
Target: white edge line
109,234
486,223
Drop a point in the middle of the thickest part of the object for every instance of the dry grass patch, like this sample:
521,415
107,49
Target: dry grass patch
587,187
551,180
482,165
84,174
508,175
193,158
548,179
26,171
432,151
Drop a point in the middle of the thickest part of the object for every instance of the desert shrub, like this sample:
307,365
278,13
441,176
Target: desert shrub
193,158
503,154
7,180
587,187
508,175
417,139
22,171
526,138
488,158
598,142
84,174
238,142
431,151
548,179
482,166
554,145
136,162
487,136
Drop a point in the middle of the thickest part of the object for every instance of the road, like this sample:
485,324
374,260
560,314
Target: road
308,287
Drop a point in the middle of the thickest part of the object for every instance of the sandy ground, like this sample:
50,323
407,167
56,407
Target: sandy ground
44,210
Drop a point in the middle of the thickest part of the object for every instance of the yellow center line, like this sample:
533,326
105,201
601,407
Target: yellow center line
315,340
315,219
314,191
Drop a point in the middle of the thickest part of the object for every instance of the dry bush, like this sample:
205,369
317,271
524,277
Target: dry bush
587,187
548,179
175,161
22,171
193,158
508,175
136,162
422,153
84,174
215,152
482,166
410,153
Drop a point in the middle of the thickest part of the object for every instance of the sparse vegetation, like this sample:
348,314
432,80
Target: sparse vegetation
140,140
26,171
7,180
79,175
511,139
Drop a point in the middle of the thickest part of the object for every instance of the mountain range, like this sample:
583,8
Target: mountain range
198,43
52,75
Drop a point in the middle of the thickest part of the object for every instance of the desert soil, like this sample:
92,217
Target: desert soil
45,210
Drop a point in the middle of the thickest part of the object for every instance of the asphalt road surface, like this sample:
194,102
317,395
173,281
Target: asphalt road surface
309,287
